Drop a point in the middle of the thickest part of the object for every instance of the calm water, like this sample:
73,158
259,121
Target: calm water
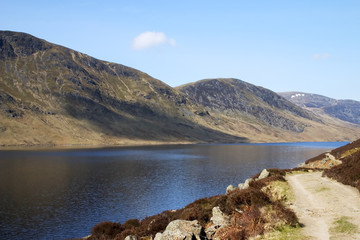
62,193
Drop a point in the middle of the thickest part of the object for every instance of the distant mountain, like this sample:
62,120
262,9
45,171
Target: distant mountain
259,113
236,97
52,95
346,110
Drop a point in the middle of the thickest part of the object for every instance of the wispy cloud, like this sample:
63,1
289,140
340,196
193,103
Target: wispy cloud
151,39
321,56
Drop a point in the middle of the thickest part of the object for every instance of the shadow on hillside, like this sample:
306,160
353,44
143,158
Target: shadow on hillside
139,122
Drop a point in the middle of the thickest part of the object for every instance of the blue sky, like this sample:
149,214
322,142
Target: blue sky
311,46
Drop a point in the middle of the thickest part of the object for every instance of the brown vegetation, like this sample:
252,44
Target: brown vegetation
348,172
338,153
251,212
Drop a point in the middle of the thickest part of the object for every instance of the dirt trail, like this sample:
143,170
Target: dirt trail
319,202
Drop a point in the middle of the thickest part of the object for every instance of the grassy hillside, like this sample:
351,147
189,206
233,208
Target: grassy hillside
52,95
262,115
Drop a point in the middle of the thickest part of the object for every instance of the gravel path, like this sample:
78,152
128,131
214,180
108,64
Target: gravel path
320,202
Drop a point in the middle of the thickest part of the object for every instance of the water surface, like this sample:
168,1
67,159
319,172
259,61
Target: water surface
60,194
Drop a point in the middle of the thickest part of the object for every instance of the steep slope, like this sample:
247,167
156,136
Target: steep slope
346,110
243,98
53,95
261,113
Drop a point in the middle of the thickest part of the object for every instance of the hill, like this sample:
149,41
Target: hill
262,114
346,110
52,95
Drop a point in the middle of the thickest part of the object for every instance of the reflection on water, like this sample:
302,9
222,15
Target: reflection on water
62,193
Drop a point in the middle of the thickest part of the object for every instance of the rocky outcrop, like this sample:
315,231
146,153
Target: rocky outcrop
182,230
264,174
230,188
219,218
246,184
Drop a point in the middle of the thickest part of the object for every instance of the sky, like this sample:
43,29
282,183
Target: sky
309,45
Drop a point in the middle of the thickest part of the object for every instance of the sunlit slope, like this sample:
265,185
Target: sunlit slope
52,95
261,114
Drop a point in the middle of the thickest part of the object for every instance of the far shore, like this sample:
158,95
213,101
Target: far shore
43,147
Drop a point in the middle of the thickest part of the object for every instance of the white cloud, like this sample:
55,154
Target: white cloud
321,56
150,39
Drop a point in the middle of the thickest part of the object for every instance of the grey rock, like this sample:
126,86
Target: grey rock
182,230
158,236
264,174
301,165
230,188
245,185
219,218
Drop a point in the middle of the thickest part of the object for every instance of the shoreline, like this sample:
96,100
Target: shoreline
44,147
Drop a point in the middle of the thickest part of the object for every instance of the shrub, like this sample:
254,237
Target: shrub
131,223
231,233
105,230
285,214
154,224
200,210
348,172
125,233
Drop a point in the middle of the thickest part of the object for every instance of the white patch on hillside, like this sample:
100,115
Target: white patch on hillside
298,95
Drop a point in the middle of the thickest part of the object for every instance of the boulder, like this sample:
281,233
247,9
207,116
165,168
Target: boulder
245,185
158,236
264,174
230,188
182,230
219,218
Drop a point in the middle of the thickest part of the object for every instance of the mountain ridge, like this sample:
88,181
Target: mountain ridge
343,109
52,95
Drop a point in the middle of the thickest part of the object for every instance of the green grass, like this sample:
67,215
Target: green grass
282,191
342,225
284,232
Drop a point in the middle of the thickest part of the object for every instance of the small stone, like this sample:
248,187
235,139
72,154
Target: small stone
264,174
219,218
182,230
230,188
302,165
158,236
247,183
